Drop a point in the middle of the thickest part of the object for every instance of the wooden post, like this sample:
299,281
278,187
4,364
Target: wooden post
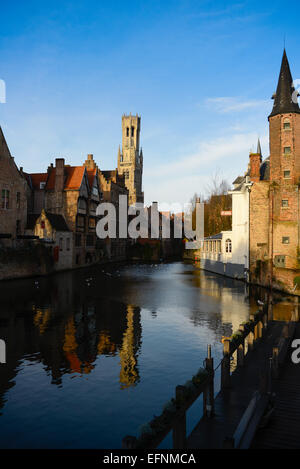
240,354
225,365
260,329
241,349
250,338
275,362
208,395
179,429
129,442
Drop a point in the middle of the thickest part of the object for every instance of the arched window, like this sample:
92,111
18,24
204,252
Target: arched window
228,245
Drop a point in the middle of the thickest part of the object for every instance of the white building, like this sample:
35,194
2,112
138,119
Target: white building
227,253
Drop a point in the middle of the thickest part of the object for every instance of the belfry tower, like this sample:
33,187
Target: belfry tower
130,159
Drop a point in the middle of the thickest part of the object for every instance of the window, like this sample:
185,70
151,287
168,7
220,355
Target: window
121,158
127,131
284,203
285,240
18,200
279,261
95,190
92,223
90,240
42,185
126,174
80,222
60,244
5,199
68,244
78,240
228,245
286,174
286,125
132,131
81,204
287,150
18,227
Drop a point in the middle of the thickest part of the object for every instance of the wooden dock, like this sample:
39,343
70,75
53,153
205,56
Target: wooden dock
231,403
263,388
283,429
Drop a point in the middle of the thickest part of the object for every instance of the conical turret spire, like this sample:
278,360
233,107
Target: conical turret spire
285,98
258,151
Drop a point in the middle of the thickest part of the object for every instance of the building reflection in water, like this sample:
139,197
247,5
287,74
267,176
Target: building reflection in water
37,326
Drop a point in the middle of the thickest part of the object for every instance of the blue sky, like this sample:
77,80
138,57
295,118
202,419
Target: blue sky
200,74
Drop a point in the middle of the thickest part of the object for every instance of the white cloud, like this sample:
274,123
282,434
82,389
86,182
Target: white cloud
178,181
225,104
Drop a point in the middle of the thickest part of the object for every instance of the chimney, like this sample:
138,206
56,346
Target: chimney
255,162
59,174
50,168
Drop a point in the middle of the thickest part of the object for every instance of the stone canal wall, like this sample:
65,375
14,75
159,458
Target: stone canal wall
25,262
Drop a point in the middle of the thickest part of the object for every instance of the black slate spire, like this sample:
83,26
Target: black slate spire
285,98
258,151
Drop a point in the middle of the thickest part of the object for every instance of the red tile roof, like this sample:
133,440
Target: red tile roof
73,175
91,176
37,178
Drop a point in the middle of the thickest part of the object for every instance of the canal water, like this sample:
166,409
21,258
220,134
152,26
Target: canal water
93,354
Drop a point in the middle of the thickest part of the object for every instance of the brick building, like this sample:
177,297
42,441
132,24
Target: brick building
274,197
13,192
112,185
74,193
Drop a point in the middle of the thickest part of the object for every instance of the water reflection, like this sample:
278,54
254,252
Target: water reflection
107,342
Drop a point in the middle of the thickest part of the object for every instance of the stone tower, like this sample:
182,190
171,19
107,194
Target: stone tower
130,159
284,201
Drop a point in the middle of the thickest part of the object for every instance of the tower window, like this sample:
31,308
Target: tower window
287,150
286,174
286,125
285,240
127,131
284,203
132,131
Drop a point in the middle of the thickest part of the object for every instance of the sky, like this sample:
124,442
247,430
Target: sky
200,73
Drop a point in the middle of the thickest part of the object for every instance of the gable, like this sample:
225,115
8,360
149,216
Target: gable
4,150
84,188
